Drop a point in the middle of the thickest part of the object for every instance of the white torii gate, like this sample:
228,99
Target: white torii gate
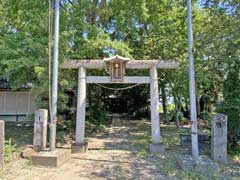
116,66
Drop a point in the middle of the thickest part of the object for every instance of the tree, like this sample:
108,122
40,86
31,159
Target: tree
231,106
222,52
153,29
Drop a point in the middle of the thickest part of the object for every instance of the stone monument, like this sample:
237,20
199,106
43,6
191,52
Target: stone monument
40,129
43,157
219,138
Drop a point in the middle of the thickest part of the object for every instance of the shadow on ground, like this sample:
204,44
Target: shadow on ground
121,152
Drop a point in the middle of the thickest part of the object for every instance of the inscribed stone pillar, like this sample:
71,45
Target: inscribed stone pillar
2,139
40,129
81,106
154,106
219,138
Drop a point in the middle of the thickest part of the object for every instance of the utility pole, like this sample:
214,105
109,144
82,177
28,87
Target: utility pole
54,79
192,91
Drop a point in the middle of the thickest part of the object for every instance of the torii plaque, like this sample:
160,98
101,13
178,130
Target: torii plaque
116,66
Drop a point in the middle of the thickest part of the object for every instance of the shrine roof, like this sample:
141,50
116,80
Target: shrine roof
116,57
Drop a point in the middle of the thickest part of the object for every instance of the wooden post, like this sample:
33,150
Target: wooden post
154,106
2,139
81,106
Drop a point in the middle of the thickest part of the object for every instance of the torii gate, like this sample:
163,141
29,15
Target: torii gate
116,66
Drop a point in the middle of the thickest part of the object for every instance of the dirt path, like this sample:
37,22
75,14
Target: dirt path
112,155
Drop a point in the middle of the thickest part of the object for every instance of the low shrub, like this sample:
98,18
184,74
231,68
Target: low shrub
10,150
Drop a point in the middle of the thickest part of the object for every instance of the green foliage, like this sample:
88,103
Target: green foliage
10,150
97,115
60,136
96,121
172,116
170,142
185,132
169,166
141,144
231,107
66,125
137,29
205,115
194,176
28,164
23,42
29,117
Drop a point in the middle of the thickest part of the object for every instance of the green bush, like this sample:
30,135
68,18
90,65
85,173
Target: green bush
29,117
97,119
60,135
231,107
10,150
205,115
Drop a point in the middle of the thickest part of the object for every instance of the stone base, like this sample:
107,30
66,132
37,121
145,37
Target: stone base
203,165
157,148
51,159
80,148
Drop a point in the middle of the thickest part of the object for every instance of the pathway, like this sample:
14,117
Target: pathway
111,156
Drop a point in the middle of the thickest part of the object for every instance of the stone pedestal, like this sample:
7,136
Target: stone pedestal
203,165
80,148
51,159
157,148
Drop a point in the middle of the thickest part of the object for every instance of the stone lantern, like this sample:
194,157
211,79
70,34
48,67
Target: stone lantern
116,67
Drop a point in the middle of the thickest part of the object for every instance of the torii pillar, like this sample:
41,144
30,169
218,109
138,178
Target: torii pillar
80,145
155,146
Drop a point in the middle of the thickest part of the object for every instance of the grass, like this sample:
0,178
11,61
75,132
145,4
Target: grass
120,174
168,165
170,141
236,158
1,173
168,162
28,164
140,144
10,151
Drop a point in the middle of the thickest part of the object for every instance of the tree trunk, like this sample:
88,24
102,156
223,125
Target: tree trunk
177,119
164,101
177,111
198,106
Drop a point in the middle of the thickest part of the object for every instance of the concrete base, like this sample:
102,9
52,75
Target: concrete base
203,165
80,148
157,148
51,159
